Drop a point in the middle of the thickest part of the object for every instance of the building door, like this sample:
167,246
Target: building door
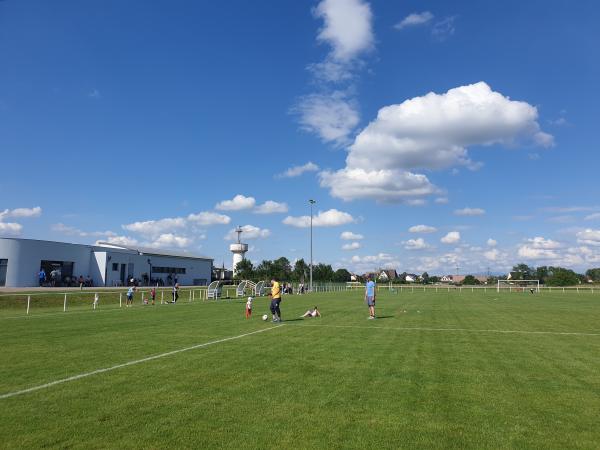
122,275
129,271
3,268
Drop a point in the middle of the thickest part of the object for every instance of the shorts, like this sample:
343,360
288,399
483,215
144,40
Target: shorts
370,301
129,297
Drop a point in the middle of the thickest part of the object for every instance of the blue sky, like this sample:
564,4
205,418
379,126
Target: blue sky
432,134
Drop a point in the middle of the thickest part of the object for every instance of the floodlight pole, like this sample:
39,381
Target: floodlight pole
312,202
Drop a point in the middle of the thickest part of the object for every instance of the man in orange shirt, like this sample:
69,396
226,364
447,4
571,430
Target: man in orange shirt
275,300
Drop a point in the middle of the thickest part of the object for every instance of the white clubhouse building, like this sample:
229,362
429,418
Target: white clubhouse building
105,264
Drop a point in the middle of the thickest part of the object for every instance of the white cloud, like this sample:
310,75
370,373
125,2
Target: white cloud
121,240
347,27
330,218
351,246
543,243
492,254
416,244
594,216
443,29
539,248
238,203
422,229
170,240
350,236
441,200
589,236
72,231
380,185
249,232
10,228
271,207
296,171
21,213
492,242
430,132
569,209
380,257
469,212
332,113
451,238
414,19
154,228
209,218
332,116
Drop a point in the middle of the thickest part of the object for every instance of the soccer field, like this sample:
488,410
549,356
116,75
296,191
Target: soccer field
435,370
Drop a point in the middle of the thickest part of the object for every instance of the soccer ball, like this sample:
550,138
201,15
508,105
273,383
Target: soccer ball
265,317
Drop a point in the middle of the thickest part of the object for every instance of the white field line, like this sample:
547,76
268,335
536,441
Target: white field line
459,330
131,363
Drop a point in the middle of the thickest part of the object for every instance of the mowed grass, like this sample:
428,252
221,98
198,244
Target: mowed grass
435,370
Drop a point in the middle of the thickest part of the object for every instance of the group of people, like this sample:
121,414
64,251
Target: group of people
152,297
370,297
55,279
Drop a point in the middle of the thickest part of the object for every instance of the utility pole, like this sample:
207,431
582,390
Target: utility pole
312,202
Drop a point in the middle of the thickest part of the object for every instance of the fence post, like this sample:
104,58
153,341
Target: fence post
190,296
120,299
65,304
28,301
162,296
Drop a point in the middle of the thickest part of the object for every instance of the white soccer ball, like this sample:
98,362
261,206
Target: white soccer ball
265,317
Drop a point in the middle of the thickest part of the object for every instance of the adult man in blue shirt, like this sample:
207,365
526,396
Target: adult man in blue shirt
370,297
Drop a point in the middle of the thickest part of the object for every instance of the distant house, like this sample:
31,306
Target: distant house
387,275
411,278
458,279
446,279
353,277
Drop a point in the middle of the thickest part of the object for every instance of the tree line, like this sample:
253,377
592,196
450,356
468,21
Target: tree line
282,269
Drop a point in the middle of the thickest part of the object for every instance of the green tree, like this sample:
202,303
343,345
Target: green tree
522,272
264,270
470,280
593,274
281,269
425,278
541,274
301,271
559,276
434,279
244,270
341,276
322,272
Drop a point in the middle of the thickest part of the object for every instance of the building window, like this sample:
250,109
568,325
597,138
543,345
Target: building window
174,270
115,267
3,268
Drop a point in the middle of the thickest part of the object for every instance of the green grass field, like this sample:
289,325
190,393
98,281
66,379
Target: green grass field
435,370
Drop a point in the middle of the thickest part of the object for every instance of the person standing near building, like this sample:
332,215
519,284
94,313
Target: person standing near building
42,276
370,297
175,292
275,300
130,293
153,294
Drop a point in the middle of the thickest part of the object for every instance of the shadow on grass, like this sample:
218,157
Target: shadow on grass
292,320
385,317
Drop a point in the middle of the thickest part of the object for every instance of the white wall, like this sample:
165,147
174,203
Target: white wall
25,255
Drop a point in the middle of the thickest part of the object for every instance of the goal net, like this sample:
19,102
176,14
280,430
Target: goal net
518,285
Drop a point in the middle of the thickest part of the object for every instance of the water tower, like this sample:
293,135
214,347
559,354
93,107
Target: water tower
238,249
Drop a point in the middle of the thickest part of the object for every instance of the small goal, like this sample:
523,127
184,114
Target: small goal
518,285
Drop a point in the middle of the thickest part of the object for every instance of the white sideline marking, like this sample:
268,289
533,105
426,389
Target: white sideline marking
464,330
131,363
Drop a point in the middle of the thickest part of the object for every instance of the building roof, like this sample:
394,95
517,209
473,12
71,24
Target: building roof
150,251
